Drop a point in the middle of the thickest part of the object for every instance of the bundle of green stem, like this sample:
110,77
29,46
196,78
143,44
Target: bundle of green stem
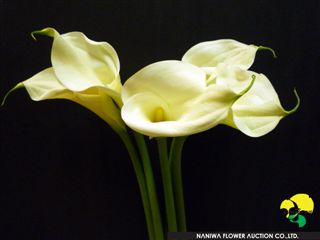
170,165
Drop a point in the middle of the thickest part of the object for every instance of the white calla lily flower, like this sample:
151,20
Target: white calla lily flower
258,111
83,71
210,86
173,98
228,51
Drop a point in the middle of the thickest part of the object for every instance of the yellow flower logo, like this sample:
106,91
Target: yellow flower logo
295,206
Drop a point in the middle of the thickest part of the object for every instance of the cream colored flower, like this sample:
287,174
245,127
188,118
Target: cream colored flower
227,51
259,110
210,86
83,71
173,98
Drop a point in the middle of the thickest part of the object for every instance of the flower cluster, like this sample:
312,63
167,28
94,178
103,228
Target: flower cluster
210,85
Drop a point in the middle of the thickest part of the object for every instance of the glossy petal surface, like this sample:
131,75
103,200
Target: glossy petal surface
259,110
45,85
179,91
228,51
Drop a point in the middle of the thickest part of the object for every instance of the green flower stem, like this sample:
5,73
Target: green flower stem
141,181
167,185
175,163
151,188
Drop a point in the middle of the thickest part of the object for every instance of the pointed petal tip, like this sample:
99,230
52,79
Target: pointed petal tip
19,85
293,110
268,49
46,32
33,35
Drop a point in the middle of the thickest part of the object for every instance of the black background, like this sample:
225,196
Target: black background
65,175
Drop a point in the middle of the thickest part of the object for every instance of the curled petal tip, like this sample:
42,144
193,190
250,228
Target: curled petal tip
249,86
19,85
269,49
33,35
297,104
46,32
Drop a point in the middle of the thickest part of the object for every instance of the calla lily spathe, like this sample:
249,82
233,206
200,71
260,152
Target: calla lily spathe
257,112
173,98
227,51
83,71
210,86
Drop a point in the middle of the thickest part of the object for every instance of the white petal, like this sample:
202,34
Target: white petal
173,81
45,85
80,63
259,110
207,110
139,111
196,115
233,77
211,53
